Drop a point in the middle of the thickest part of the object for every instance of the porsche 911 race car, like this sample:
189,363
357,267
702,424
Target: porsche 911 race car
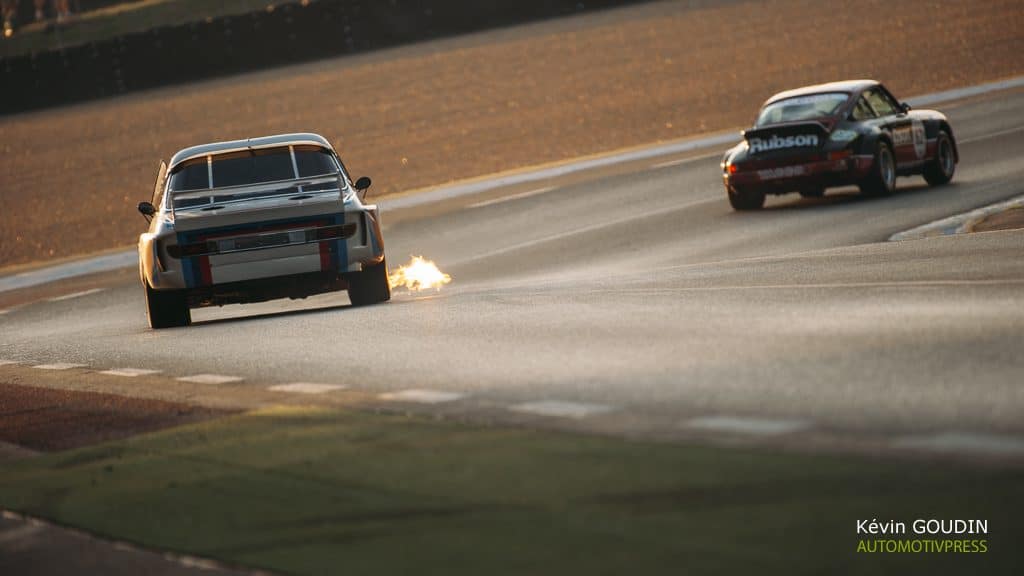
254,220
837,134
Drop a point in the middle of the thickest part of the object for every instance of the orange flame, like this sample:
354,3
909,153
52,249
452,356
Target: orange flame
418,274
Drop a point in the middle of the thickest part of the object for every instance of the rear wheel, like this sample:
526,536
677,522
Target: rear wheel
813,193
940,170
882,179
167,308
743,200
370,286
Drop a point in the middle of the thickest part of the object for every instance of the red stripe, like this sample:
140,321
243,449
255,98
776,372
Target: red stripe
325,256
204,270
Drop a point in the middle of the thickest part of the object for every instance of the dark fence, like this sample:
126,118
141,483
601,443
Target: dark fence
290,33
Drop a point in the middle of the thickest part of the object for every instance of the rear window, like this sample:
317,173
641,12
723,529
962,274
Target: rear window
314,161
190,175
802,108
253,167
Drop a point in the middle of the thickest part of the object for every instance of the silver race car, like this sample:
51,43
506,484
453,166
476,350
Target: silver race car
254,220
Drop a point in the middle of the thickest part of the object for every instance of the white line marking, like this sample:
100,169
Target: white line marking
991,444
7,362
210,379
519,196
752,426
561,409
991,135
307,387
76,294
58,366
129,372
2,312
958,93
126,259
681,161
421,396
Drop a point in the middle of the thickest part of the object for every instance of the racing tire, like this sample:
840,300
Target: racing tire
812,193
940,170
370,286
167,308
744,200
882,179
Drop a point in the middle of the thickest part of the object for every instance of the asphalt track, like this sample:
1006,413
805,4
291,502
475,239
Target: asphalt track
642,300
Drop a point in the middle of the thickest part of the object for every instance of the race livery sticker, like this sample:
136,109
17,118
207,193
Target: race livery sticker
780,143
912,134
918,135
781,172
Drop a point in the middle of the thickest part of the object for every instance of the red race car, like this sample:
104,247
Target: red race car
837,134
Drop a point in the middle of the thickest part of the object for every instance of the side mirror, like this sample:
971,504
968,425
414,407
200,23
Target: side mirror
905,107
362,184
147,209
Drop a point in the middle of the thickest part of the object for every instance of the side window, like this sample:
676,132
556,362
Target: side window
881,103
862,111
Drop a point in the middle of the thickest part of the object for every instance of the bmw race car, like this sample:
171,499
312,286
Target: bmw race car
837,134
254,220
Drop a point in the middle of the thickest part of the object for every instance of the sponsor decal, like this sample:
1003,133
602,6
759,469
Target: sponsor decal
780,143
912,134
781,172
917,129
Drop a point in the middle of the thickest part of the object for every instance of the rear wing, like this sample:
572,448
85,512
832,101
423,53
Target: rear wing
330,184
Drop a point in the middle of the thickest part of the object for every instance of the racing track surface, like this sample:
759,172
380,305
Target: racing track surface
644,292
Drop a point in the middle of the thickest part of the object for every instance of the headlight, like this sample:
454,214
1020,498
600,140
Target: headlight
843,136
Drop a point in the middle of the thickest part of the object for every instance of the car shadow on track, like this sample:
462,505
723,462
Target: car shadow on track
242,317
848,196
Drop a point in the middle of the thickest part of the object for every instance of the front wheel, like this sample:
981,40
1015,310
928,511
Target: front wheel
743,200
940,170
882,179
167,308
370,286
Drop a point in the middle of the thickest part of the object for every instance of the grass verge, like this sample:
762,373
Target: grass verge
305,490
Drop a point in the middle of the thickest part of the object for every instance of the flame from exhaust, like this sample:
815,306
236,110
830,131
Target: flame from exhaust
418,274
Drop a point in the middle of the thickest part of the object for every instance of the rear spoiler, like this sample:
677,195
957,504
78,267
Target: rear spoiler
782,136
204,197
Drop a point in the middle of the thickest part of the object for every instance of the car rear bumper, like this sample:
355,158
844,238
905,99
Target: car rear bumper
796,175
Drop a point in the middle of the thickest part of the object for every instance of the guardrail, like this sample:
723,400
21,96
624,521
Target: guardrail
290,33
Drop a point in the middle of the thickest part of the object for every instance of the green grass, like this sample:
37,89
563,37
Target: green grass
326,491
119,20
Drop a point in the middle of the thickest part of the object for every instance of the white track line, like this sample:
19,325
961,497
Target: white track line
561,409
8,362
751,426
307,387
511,198
963,442
210,379
129,372
421,396
76,294
58,366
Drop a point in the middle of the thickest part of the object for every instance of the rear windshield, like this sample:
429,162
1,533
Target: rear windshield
801,108
252,167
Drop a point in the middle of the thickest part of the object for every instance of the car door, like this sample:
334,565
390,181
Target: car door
907,133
